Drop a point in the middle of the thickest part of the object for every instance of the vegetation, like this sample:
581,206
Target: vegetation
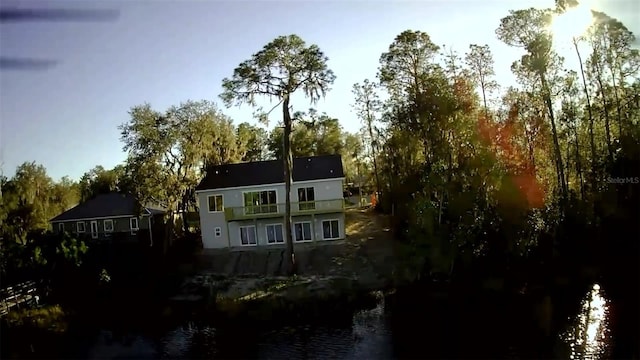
47,317
473,172
542,172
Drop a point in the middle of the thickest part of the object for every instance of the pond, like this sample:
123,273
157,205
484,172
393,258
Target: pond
400,325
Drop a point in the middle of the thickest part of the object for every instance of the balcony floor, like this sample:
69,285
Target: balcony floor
279,215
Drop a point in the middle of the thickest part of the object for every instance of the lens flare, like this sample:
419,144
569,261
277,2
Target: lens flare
572,23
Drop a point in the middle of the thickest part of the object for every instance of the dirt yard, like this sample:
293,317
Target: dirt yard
368,246
366,260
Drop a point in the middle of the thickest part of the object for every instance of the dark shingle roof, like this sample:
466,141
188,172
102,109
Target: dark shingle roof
103,205
272,172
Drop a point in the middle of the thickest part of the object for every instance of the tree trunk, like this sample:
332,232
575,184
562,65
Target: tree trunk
484,100
168,232
605,106
578,162
183,209
592,142
360,204
607,125
374,144
289,254
618,105
556,143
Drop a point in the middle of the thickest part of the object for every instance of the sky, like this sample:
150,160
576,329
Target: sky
165,52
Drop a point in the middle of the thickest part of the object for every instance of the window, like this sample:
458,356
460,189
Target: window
302,231
108,226
248,235
94,229
61,227
330,229
216,203
218,231
306,198
260,202
81,227
133,224
275,234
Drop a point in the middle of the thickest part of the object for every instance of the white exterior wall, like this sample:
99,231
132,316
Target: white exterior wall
233,197
261,232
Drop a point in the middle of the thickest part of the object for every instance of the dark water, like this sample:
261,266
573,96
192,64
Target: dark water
579,327
366,335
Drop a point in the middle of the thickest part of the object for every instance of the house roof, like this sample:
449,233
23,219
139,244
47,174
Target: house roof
103,205
272,172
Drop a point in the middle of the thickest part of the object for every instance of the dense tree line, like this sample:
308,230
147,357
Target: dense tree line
470,169
551,166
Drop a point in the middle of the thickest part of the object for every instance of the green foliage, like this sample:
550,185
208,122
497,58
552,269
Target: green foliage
50,317
71,249
312,135
101,181
367,106
104,276
468,181
283,66
169,152
40,255
30,199
252,141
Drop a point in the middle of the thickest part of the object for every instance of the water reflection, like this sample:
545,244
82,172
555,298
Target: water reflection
112,346
385,330
367,337
589,337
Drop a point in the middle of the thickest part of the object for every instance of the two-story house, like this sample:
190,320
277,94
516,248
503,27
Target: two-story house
243,205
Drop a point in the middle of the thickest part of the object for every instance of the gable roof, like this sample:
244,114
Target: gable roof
272,172
104,205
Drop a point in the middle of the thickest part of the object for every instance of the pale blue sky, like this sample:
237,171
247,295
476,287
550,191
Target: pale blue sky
165,52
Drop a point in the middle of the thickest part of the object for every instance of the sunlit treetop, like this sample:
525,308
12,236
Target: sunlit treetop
283,66
571,20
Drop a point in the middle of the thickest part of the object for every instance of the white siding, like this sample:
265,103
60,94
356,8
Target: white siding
325,190
230,233
261,232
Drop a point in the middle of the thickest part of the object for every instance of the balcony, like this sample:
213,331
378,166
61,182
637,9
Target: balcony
278,210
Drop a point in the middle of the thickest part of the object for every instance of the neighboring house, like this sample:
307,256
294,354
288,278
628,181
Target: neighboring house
109,216
244,204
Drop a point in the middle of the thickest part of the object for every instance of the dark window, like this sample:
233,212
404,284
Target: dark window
306,198
330,229
216,203
275,234
248,235
302,231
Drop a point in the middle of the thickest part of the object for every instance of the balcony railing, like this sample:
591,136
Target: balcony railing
276,210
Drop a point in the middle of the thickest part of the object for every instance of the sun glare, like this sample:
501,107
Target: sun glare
572,23
589,337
